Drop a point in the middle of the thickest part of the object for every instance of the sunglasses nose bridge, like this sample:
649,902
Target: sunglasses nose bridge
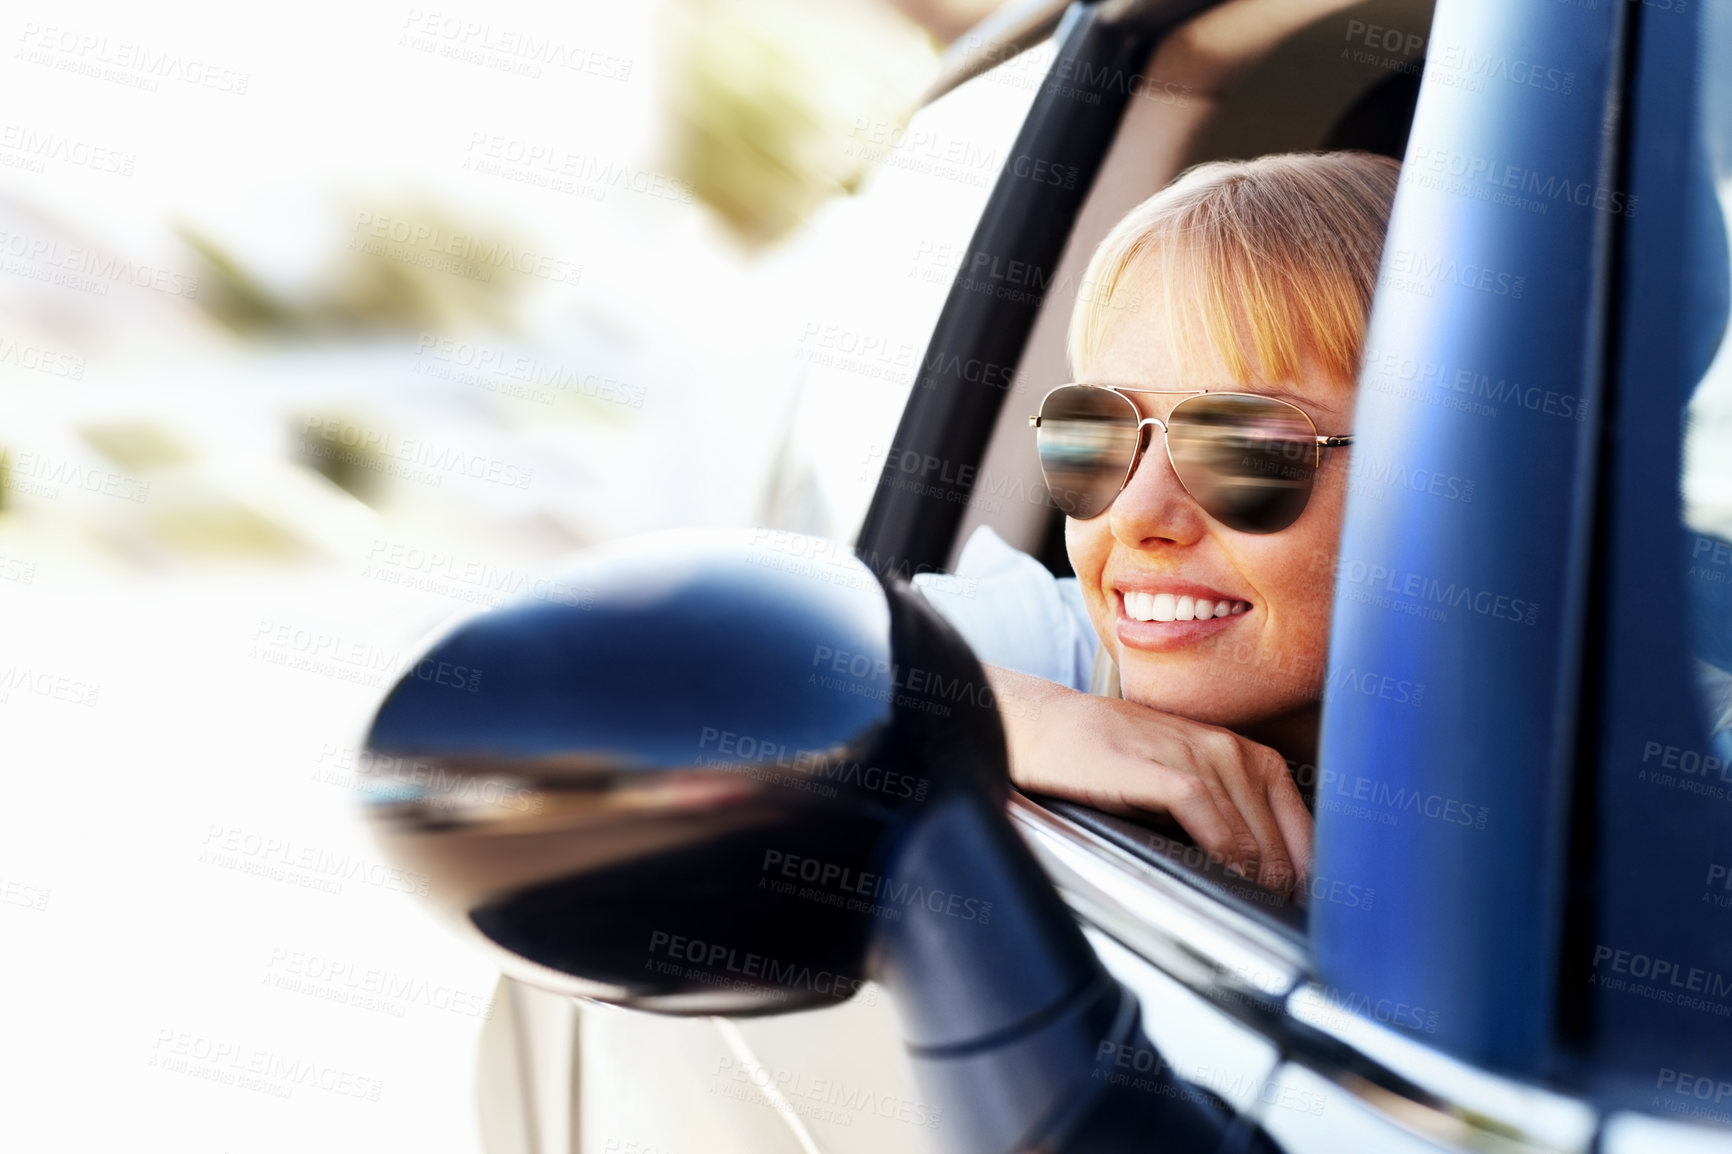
1144,439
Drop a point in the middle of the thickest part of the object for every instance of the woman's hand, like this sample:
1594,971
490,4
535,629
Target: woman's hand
1234,797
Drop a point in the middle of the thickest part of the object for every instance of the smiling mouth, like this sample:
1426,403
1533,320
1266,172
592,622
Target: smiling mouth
1171,607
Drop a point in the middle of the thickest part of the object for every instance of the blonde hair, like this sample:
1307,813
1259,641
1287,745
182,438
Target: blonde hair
1269,261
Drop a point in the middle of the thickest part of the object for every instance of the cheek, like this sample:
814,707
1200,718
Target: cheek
1296,573
1088,543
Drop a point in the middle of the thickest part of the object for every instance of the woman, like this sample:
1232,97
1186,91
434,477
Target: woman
1204,493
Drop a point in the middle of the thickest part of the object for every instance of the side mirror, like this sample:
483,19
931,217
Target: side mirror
734,774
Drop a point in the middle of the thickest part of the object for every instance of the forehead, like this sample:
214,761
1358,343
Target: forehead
1143,347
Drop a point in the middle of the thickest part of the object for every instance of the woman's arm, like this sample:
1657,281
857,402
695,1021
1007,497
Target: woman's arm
1235,797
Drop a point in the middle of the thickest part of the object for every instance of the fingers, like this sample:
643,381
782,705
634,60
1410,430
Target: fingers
1233,796
1297,827
1244,770
1200,804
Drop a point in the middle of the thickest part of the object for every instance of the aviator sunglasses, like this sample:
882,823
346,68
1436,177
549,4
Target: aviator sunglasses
1248,460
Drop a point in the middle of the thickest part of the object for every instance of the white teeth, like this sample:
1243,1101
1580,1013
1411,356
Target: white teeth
1172,607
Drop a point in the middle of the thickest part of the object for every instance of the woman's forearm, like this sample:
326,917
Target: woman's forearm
1021,701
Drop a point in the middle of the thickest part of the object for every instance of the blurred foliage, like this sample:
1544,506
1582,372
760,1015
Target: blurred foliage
137,445
428,272
335,446
773,104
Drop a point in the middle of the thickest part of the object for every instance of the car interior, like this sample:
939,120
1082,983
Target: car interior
1253,78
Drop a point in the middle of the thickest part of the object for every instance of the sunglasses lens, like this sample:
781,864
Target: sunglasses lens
1086,440
1248,461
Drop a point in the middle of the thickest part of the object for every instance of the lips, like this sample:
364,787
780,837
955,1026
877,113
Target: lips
1170,615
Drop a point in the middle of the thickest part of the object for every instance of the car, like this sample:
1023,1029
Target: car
1516,934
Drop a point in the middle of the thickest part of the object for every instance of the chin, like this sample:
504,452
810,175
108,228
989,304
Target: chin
1200,696
1195,698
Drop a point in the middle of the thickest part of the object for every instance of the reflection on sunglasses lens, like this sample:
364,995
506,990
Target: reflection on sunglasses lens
1249,461
1086,440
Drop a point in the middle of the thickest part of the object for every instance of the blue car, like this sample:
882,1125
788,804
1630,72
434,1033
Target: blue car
769,775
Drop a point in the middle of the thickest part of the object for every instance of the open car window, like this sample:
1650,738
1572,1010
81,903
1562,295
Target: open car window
1338,76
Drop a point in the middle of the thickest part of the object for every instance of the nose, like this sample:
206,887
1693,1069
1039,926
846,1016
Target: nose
1153,509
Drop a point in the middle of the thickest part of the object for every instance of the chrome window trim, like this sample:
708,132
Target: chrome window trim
1256,976
1011,30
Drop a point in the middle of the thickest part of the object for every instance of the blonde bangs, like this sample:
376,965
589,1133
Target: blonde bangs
1268,264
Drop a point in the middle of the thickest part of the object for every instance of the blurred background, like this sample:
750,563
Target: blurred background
319,326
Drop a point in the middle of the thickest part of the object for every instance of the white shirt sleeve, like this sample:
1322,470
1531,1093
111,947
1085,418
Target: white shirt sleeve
1014,613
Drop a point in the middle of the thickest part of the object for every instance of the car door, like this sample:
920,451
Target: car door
1549,274
1526,315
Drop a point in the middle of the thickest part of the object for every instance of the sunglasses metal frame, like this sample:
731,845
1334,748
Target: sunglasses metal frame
1323,441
